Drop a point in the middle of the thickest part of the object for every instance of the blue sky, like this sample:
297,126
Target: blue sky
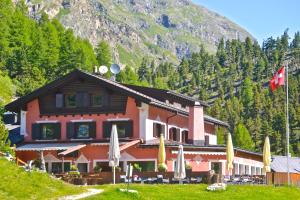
262,18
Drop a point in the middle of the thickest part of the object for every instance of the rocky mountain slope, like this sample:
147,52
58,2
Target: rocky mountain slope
162,29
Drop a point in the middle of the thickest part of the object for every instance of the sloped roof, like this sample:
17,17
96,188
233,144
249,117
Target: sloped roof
279,164
163,95
132,91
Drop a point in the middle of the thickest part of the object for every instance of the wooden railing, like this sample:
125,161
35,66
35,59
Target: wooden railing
18,161
281,178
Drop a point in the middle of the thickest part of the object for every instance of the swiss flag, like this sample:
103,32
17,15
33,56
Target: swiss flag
278,79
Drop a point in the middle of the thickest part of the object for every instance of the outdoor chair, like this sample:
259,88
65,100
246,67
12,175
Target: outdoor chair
184,181
160,179
236,180
150,180
137,179
123,179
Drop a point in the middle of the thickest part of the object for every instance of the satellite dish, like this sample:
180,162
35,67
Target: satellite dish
103,69
115,69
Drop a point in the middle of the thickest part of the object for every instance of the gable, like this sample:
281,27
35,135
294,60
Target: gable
83,91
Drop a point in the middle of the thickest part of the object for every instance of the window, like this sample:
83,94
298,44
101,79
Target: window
147,166
158,129
70,100
56,167
82,130
216,166
185,136
45,131
124,128
82,167
105,166
97,100
206,138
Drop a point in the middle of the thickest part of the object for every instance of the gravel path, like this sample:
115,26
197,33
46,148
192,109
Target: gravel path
90,192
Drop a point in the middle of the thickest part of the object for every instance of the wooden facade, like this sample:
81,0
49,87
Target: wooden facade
54,102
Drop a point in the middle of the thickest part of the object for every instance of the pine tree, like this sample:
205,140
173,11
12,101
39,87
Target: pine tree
242,138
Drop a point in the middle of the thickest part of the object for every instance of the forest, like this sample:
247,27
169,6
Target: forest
234,80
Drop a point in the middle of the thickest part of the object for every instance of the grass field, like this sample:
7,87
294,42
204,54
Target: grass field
235,192
15,183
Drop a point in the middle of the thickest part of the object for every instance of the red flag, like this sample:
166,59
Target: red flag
278,79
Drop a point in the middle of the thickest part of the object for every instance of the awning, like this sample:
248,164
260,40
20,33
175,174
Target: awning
201,153
129,144
71,149
46,146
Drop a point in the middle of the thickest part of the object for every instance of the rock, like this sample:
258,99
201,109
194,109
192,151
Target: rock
154,28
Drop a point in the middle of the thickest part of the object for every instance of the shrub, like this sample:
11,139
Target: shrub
73,168
188,167
137,167
97,169
162,167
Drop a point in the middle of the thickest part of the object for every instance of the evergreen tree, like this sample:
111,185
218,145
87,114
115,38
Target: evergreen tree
242,138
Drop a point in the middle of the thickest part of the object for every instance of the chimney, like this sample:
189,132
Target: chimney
196,124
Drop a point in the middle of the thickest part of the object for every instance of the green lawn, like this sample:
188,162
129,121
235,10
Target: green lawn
199,192
15,183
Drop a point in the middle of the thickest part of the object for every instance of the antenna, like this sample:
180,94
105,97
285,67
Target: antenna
103,69
115,69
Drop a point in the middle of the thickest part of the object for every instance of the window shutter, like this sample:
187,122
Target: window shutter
177,134
92,132
79,99
106,129
70,130
129,129
35,131
162,130
57,131
155,130
86,100
59,100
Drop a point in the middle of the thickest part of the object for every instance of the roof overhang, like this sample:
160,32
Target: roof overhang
46,146
210,153
71,149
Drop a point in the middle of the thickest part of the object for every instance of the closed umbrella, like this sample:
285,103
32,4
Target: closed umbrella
229,153
114,151
179,172
43,165
267,155
161,152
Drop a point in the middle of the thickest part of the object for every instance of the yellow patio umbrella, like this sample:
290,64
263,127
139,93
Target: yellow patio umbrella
267,155
229,153
161,152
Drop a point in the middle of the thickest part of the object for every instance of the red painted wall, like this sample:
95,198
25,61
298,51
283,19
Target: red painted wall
33,115
177,120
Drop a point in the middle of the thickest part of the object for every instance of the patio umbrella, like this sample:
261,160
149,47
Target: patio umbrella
267,155
229,153
114,151
43,165
179,172
161,152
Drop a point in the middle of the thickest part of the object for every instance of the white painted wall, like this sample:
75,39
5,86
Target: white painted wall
23,123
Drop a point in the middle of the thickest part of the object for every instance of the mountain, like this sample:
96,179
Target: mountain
163,29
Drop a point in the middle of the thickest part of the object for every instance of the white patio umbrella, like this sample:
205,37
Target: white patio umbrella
179,172
43,165
114,151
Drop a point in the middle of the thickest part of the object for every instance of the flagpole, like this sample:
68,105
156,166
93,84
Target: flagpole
287,124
